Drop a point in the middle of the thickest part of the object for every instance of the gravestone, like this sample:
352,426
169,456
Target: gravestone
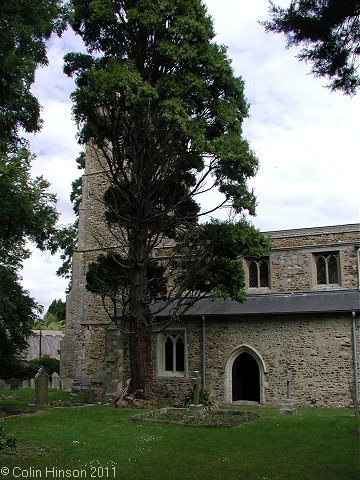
55,381
196,409
32,383
288,405
66,385
2,384
14,383
25,384
41,387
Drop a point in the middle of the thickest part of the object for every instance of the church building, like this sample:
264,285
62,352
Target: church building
300,318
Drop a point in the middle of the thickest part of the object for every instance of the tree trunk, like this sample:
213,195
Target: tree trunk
141,336
141,358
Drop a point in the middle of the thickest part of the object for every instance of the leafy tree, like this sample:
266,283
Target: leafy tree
158,103
54,318
76,192
49,364
58,309
18,311
24,28
330,33
27,209
27,212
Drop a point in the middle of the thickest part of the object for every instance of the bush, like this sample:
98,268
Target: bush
205,398
14,368
49,364
6,441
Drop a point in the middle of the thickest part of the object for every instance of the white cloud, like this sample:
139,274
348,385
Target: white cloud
40,279
305,136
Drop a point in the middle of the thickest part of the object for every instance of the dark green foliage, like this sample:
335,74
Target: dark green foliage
329,31
109,278
18,311
54,319
160,65
64,239
27,209
14,367
58,309
158,101
6,441
208,257
49,364
24,28
76,193
27,212
206,399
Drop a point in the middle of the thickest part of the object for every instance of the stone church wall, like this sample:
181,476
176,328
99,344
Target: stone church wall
315,348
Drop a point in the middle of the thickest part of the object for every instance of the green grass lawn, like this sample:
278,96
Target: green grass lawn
97,442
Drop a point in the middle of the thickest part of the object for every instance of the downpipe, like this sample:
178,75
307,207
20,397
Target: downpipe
203,352
356,379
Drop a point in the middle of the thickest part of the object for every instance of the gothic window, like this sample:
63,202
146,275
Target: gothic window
258,273
264,273
253,274
171,358
327,268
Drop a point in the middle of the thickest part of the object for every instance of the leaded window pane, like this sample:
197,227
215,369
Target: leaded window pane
253,274
180,355
321,270
264,273
169,356
333,269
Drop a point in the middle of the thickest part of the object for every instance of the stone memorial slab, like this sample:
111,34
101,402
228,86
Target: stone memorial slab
14,383
41,387
66,385
196,409
55,381
2,384
288,406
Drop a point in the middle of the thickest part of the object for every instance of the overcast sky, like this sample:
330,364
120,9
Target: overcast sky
306,137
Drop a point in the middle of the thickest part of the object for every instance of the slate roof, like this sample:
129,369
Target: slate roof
277,304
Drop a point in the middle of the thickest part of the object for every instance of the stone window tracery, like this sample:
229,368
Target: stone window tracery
327,268
258,273
171,354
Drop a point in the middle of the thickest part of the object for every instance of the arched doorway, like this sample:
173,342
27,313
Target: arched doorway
245,379
245,372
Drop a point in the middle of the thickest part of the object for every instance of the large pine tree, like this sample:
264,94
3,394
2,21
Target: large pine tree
158,99
328,32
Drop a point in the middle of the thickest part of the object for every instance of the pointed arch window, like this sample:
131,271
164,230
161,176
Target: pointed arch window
327,268
258,273
171,356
